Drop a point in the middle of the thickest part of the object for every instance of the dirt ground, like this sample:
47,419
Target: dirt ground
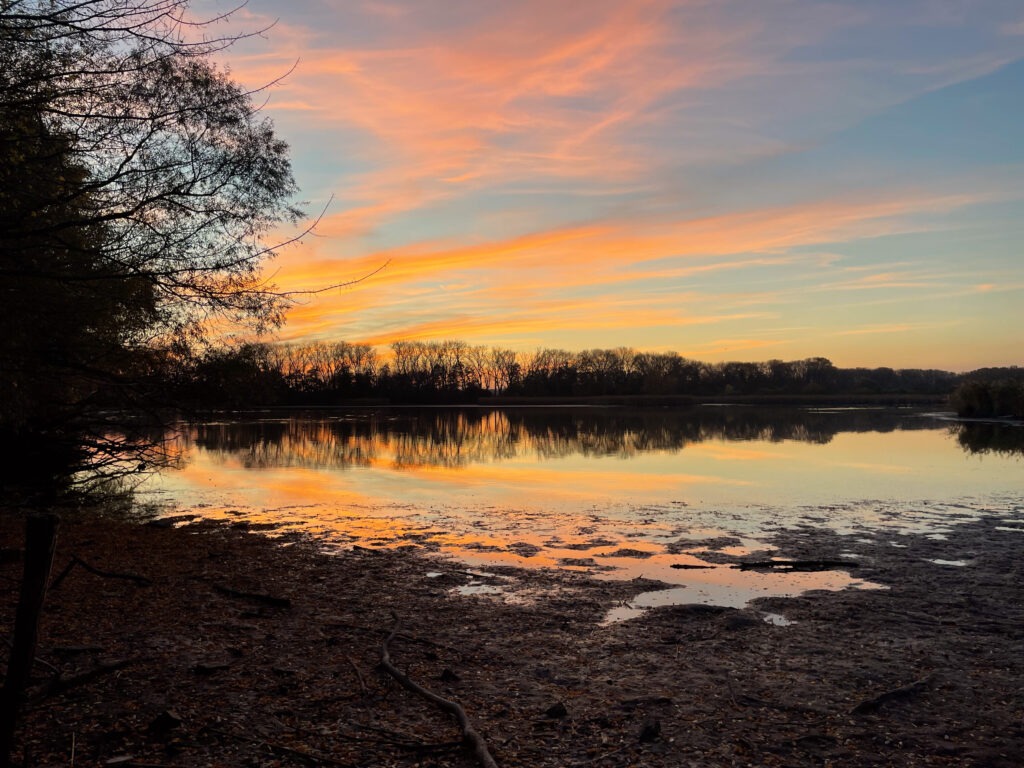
236,650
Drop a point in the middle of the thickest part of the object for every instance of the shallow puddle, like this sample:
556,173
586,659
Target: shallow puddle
731,588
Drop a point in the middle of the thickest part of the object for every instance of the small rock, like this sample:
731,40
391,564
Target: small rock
164,722
741,621
556,711
650,732
209,667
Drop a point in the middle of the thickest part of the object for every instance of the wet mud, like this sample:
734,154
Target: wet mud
249,651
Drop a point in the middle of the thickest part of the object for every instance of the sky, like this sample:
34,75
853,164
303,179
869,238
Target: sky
726,180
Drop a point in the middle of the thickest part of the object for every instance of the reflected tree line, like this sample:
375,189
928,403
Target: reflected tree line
1000,438
328,373
409,438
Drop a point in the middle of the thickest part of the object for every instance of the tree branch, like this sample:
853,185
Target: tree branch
469,734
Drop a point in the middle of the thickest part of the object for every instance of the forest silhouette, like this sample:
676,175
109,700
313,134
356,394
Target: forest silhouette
138,184
452,372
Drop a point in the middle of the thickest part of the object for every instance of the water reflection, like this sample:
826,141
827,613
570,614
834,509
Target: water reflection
1005,438
613,492
412,438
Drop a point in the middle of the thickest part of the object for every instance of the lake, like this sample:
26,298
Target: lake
613,492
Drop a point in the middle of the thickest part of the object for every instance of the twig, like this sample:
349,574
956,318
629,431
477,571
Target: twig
602,757
904,691
61,684
280,602
302,754
36,659
359,675
395,739
469,734
142,581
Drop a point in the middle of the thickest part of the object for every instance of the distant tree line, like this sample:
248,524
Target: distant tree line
990,398
325,373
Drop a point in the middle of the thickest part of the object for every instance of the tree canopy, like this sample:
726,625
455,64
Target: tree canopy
138,186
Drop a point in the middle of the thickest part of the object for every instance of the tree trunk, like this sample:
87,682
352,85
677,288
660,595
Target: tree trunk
40,541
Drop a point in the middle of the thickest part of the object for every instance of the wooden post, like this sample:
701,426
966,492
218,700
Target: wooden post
40,541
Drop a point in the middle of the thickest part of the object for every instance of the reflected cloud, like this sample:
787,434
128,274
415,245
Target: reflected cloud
612,492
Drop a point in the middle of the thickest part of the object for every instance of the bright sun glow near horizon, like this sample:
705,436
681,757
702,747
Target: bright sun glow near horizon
727,180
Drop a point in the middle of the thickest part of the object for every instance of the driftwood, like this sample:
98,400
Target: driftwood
470,735
142,581
259,597
904,691
790,566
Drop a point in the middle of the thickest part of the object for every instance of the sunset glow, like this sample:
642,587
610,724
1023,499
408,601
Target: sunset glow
617,499
727,180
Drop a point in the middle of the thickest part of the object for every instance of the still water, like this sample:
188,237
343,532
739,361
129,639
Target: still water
614,492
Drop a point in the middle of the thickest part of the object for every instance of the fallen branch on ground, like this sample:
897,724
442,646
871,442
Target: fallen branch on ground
359,676
36,660
401,741
790,566
280,602
690,567
142,581
281,749
903,692
469,734
62,683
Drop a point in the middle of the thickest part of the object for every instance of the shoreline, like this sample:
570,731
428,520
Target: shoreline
926,672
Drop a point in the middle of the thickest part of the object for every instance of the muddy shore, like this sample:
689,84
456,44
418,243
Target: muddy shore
231,649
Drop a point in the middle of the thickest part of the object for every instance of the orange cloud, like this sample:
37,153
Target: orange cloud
525,283
518,164
531,91
897,328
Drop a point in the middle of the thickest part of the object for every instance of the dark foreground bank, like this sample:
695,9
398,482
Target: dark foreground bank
203,645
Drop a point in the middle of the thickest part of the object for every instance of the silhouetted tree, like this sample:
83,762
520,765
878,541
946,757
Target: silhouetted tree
136,170
137,184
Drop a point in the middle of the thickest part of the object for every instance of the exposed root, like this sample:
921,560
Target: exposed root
142,581
470,736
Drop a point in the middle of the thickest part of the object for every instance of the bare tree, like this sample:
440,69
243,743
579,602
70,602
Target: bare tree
170,173
139,186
